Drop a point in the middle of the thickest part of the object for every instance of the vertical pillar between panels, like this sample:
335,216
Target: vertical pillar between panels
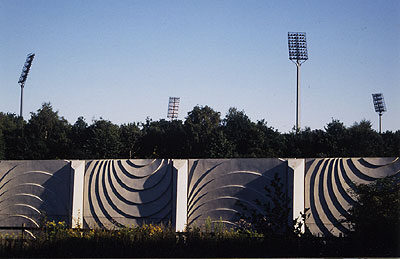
180,176
297,168
78,179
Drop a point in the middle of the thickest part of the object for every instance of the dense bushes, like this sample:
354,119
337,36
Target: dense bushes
375,218
56,240
203,134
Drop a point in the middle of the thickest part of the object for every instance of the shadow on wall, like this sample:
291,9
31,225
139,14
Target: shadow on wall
329,184
217,185
33,191
127,192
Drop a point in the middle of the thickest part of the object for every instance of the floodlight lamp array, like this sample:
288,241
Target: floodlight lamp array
297,46
26,68
379,103
173,106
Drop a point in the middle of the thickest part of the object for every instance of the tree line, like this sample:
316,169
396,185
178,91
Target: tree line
203,134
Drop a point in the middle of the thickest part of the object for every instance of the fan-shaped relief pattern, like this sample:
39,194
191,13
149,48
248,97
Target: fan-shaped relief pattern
217,185
328,188
127,192
31,191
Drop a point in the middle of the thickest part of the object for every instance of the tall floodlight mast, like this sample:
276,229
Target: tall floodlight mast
173,107
380,107
298,55
24,75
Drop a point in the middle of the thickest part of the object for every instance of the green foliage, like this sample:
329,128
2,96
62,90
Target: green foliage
15,144
250,139
391,143
55,239
363,140
48,134
375,219
161,139
130,135
2,145
203,134
274,218
205,137
79,139
336,138
103,139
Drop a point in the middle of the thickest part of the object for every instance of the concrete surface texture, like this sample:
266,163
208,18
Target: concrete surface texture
216,186
120,192
127,192
329,183
33,191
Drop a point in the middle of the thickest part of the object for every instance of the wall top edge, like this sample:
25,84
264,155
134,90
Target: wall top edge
41,160
246,158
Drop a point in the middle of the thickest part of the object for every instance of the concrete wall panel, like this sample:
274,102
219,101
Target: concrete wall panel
114,193
328,188
127,192
216,185
32,191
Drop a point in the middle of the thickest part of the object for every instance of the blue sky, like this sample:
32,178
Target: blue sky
121,60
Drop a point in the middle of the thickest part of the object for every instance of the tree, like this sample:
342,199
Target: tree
312,143
2,145
103,140
336,134
14,142
362,140
375,218
162,139
274,219
203,134
247,139
271,142
47,134
129,137
306,143
205,137
391,143
79,139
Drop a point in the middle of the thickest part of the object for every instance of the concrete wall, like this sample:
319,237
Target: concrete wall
31,191
114,193
127,192
217,185
328,188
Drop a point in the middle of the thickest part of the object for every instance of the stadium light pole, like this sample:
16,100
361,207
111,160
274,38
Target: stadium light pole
297,54
24,75
380,107
173,106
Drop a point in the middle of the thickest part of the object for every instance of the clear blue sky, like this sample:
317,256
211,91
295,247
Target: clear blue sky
121,60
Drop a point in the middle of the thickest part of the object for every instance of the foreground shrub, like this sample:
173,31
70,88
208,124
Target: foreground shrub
55,239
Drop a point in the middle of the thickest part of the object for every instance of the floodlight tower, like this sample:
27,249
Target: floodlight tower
24,75
298,55
173,106
380,107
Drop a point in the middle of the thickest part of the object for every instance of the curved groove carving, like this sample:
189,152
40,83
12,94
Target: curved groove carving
329,184
24,217
31,189
249,192
217,185
140,184
126,192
